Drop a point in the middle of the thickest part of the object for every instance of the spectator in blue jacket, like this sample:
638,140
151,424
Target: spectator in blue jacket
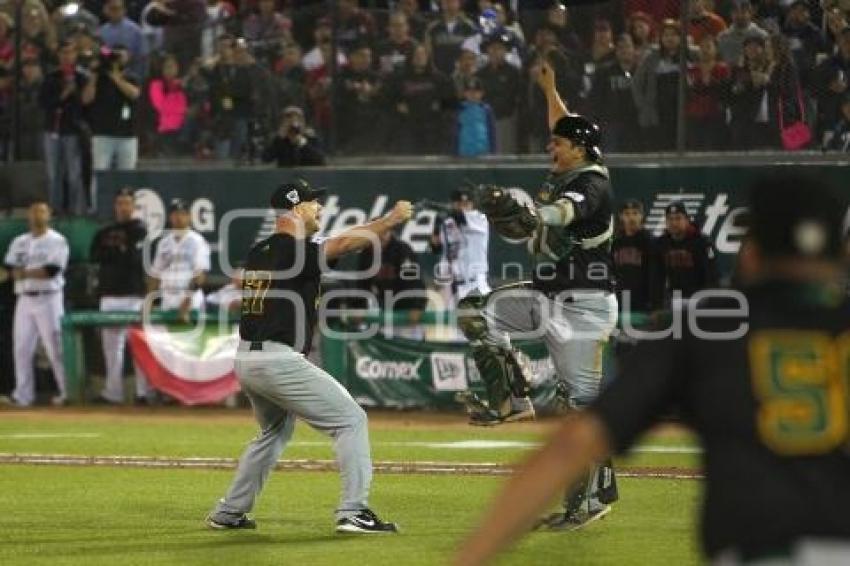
119,30
476,126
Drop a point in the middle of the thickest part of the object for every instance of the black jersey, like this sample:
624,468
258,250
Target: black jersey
770,406
687,265
588,264
280,289
117,249
634,263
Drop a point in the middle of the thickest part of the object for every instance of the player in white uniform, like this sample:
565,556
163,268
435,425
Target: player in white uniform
37,261
463,239
181,262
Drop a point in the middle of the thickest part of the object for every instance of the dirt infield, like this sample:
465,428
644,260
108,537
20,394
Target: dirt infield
430,468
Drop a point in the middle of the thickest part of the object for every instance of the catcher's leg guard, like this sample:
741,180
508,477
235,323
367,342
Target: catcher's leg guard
504,371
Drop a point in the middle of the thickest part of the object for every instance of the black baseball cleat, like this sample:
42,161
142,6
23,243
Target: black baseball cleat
365,522
572,521
234,522
485,418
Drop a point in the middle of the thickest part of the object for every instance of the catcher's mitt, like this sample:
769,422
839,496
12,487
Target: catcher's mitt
508,217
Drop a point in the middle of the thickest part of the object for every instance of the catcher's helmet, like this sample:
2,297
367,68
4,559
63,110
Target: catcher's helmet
581,131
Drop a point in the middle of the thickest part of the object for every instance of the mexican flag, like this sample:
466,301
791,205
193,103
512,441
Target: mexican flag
193,366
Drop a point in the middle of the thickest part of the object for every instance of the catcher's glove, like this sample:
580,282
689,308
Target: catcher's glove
508,217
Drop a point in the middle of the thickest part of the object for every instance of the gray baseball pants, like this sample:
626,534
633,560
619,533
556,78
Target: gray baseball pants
574,326
282,385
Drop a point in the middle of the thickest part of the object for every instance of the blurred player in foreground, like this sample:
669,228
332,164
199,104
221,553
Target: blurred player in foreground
279,311
763,382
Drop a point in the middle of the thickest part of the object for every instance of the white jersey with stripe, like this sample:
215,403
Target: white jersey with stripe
465,247
179,256
28,251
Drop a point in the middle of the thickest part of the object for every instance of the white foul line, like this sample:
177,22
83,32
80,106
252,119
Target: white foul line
48,435
455,445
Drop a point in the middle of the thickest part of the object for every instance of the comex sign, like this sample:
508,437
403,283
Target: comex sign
370,368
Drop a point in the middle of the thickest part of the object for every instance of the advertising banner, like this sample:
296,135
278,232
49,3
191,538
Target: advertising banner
230,207
401,373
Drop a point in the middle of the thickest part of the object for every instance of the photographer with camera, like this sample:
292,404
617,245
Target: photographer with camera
110,100
294,145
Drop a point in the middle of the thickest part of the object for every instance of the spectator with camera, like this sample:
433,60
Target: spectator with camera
64,126
294,145
120,30
110,99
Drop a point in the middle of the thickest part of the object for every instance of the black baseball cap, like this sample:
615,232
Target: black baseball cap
676,206
797,216
580,131
289,195
632,204
462,194
500,36
178,205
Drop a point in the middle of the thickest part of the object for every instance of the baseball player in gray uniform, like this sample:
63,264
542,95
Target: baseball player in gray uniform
281,285
37,261
569,304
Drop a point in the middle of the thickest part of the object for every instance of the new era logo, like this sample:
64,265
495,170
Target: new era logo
448,371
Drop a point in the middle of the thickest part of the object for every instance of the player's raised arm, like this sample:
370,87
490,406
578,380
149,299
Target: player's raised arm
580,442
556,107
358,237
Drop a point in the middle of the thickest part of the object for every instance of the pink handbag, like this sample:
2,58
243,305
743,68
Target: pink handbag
797,135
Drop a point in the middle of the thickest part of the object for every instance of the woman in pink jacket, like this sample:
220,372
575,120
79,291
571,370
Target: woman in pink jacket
169,101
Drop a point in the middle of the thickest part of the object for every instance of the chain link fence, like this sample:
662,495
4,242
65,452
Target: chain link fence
299,82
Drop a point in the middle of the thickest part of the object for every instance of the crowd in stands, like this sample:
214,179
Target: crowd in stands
102,81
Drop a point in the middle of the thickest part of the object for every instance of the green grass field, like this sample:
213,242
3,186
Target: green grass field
110,515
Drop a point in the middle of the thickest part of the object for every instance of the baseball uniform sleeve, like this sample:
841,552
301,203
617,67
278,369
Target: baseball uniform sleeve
159,264
11,253
476,222
58,253
585,193
202,256
647,387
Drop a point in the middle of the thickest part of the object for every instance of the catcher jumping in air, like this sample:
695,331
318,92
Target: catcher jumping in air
569,304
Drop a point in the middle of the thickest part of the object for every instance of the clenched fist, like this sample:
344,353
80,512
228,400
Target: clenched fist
401,212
